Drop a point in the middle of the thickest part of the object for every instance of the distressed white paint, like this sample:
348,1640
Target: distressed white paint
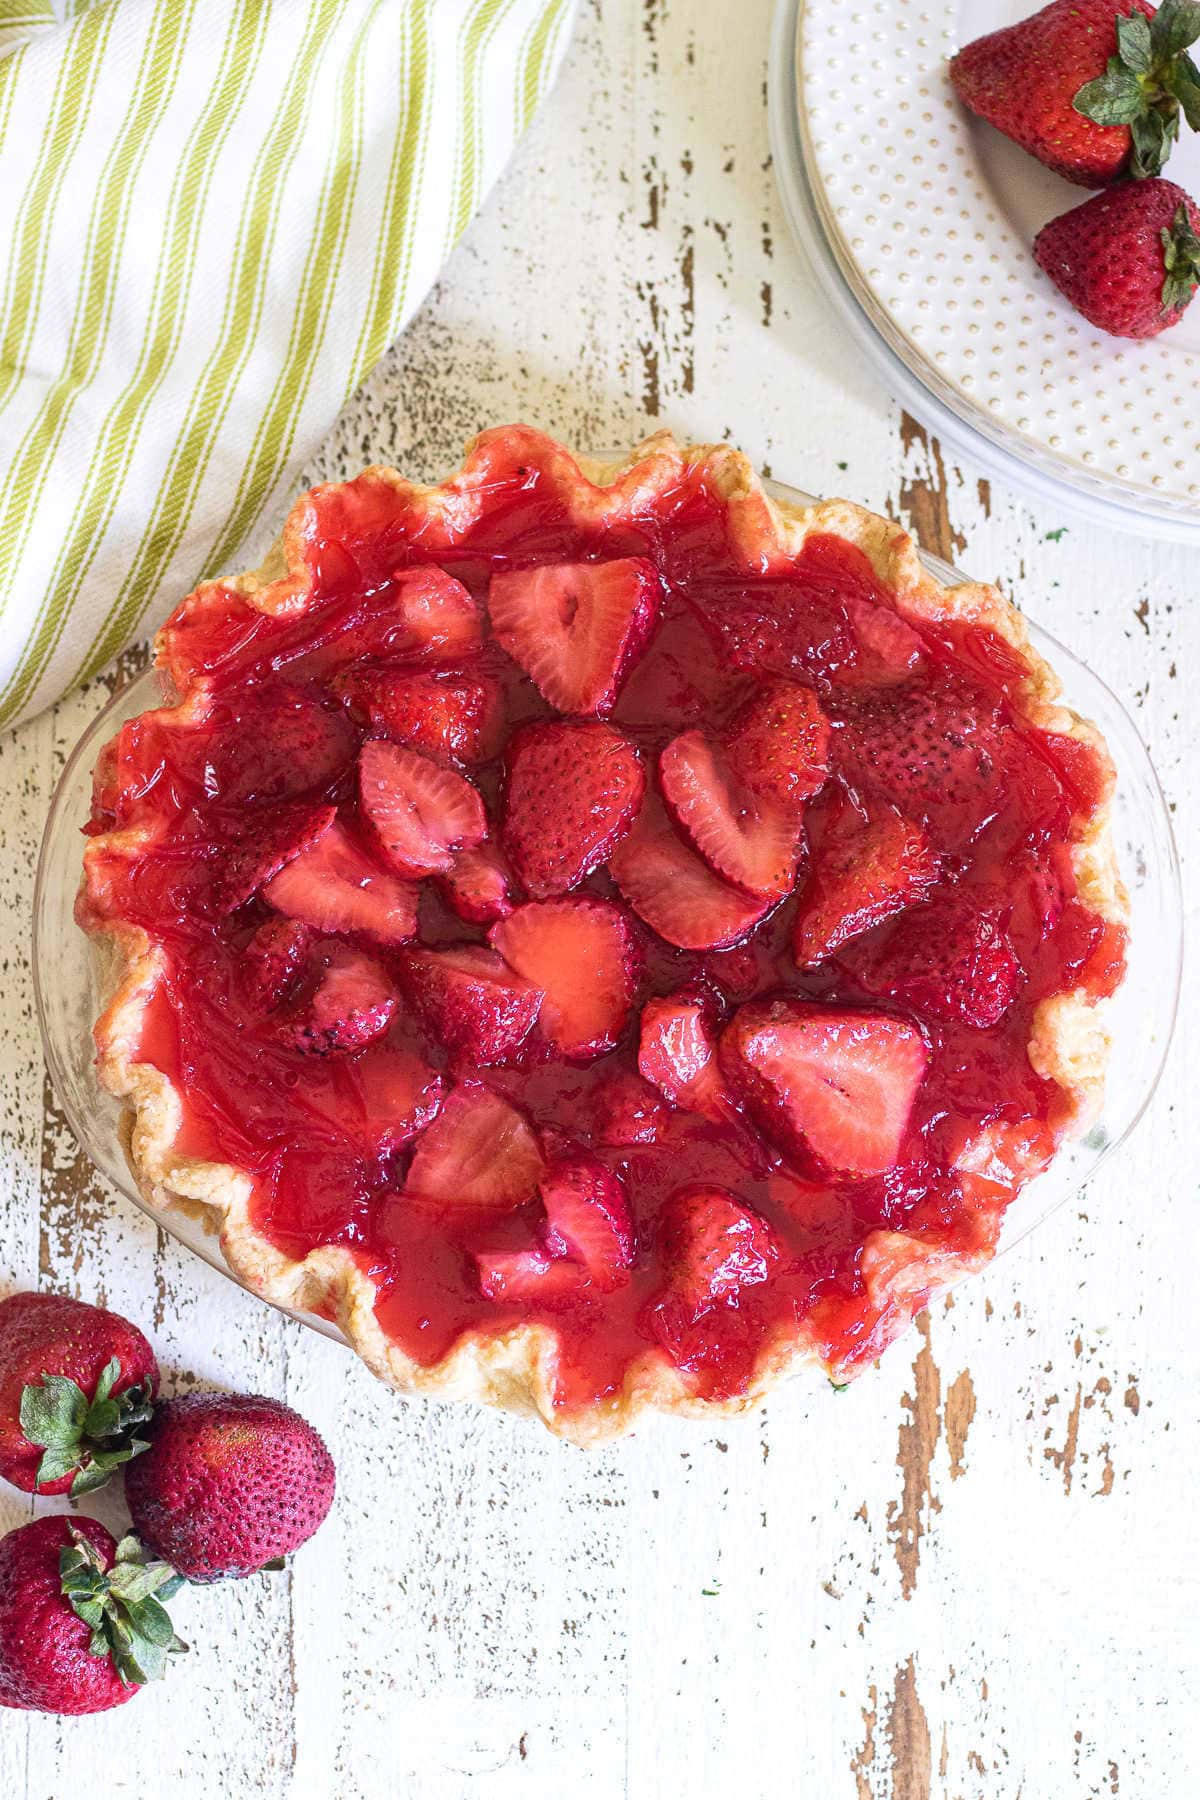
491,1613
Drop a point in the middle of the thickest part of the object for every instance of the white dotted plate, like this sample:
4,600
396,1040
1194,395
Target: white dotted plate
930,215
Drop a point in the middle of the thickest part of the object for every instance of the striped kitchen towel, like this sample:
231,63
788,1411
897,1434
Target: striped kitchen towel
214,217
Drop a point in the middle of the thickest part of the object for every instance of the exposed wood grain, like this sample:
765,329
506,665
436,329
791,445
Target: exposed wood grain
972,1576
908,1738
960,1410
925,492
919,1435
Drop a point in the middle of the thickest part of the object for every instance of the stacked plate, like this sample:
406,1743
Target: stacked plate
919,220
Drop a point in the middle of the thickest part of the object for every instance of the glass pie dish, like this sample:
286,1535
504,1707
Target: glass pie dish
1142,1015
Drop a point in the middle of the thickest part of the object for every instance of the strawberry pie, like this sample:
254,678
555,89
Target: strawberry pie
604,937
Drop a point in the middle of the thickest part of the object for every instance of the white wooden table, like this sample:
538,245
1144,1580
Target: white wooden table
975,1575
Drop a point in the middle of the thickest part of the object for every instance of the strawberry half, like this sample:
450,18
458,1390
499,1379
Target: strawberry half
421,813
435,612
865,871
889,650
335,886
398,1096
627,1110
675,891
951,961
351,1004
273,959
299,742
835,1083
573,789
754,845
274,840
713,1247
478,884
678,1053
575,628
479,1151
471,1000
777,744
935,753
589,1218
443,713
581,954
527,1277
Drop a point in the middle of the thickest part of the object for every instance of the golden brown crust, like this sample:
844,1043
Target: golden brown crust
515,1369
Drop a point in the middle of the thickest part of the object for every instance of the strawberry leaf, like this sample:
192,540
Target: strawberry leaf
1148,83
1134,43
52,1412
56,1464
1181,260
122,1606
1184,83
92,1437
1153,136
1175,25
1114,98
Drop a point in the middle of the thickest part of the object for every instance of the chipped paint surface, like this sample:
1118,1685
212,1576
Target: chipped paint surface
973,1575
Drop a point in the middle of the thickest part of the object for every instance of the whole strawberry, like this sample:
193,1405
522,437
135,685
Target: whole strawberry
230,1483
76,1386
1093,88
1128,260
82,1624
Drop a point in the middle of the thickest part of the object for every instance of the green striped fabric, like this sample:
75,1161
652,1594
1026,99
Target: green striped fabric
215,215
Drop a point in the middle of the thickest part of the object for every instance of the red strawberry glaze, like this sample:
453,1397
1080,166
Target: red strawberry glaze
328,1139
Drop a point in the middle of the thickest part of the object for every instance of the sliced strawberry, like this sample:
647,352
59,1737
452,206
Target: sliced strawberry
479,1151
936,752
678,1053
273,959
575,628
335,886
399,1095
866,870
777,743
737,971
471,1000
781,625
298,742
444,713
421,813
350,1005
589,1218
271,842
627,1110
573,789
528,1277
581,954
889,649
438,615
713,1247
675,892
952,960
422,615
478,884
753,844
832,1082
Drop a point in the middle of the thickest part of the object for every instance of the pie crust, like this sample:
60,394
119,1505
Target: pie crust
514,1368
